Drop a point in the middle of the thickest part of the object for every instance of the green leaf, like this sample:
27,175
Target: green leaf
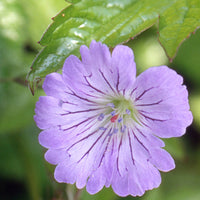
177,23
188,59
112,22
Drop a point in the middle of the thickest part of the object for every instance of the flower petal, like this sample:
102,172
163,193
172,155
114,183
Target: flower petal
125,154
74,75
162,101
55,156
96,181
51,112
55,86
87,154
65,172
139,151
123,67
162,160
48,112
148,176
120,185
96,57
97,62
133,172
60,137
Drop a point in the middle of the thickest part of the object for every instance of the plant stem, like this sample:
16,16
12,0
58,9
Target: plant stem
77,194
73,193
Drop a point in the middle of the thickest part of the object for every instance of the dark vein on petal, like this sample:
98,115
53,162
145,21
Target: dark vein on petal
76,125
91,95
74,94
139,141
67,102
140,120
117,86
137,98
81,111
150,104
152,119
133,91
60,127
93,86
101,135
107,81
109,139
86,128
86,137
140,132
130,145
120,144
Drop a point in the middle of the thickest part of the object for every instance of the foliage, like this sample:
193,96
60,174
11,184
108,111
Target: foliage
113,22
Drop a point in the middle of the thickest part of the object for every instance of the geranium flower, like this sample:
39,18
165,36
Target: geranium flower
101,124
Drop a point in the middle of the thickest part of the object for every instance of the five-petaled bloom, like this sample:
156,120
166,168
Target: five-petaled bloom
102,125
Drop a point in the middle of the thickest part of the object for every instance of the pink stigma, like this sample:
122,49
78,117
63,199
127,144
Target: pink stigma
114,118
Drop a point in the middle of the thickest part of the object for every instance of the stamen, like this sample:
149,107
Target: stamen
102,128
101,116
128,111
120,119
123,128
115,130
111,105
113,113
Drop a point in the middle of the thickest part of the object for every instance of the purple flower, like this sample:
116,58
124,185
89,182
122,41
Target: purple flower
101,124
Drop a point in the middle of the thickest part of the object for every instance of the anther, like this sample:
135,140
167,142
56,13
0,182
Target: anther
101,116
113,113
115,130
120,119
128,111
111,105
102,128
123,128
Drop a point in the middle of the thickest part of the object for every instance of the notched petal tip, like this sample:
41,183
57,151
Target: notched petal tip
94,44
54,85
65,172
162,160
55,156
124,51
123,67
96,181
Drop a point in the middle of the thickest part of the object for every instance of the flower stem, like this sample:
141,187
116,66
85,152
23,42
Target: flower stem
77,194
73,193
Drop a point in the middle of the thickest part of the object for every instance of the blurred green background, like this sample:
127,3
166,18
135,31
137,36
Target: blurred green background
24,174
